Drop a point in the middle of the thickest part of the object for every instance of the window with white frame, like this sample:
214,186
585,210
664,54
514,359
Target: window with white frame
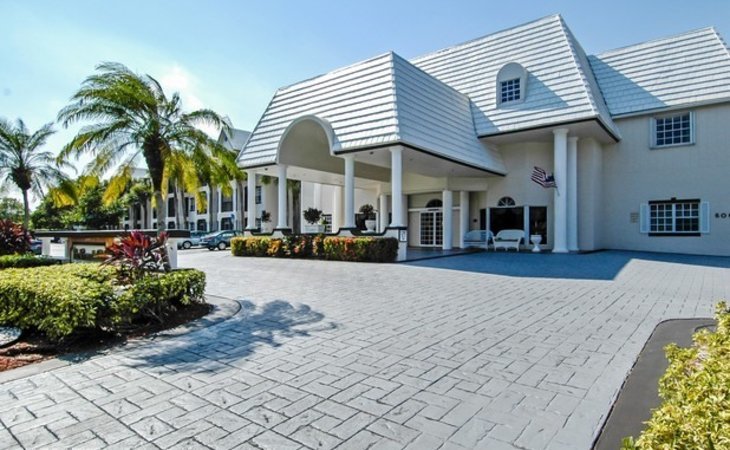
675,217
676,129
511,84
510,90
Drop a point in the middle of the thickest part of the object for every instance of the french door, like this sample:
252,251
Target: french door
432,228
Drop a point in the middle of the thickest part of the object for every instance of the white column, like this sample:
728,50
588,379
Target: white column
560,199
383,211
317,196
448,219
573,194
148,216
251,194
46,246
349,191
463,216
172,252
337,208
281,219
396,185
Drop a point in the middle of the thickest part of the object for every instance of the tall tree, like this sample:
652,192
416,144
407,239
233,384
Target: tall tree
133,118
24,164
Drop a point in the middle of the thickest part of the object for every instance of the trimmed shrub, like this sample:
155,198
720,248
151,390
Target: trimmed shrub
363,249
154,295
56,300
13,238
59,300
24,261
695,412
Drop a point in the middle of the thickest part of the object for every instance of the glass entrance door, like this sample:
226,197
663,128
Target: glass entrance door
432,228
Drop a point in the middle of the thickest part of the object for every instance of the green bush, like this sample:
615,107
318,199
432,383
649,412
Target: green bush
695,412
23,261
59,300
154,295
56,300
364,249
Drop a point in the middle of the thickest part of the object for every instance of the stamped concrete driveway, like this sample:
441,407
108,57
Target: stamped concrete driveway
479,351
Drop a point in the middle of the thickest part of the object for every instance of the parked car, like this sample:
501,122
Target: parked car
220,240
192,241
36,246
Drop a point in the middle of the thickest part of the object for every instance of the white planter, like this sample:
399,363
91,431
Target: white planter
370,225
314,228
266,227
536,239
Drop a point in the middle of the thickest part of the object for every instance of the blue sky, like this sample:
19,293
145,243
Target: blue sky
232,55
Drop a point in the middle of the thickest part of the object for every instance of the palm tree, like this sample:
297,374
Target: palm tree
133,118
24,164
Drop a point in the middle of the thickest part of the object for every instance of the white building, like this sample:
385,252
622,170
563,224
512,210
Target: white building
637,139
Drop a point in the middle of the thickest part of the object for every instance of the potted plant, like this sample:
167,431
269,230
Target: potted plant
368,211
313,217
265,220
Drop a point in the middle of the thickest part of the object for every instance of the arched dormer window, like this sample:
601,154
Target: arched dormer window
511,84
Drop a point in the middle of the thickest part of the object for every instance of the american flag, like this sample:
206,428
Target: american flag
541,177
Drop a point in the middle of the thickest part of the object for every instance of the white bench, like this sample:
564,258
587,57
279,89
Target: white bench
507,239
478,238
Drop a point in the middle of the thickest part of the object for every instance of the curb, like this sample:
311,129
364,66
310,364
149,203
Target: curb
223,309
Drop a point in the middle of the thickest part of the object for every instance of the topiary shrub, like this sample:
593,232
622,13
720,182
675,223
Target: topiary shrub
363,249
695,412
24,261
14,239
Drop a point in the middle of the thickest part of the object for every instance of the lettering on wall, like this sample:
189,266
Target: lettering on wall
723,215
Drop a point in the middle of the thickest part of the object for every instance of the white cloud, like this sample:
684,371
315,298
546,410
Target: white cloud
177,79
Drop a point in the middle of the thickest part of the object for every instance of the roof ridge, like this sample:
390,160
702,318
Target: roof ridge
656,40
394,87
588,79
431,76
483,37
578,66
719,37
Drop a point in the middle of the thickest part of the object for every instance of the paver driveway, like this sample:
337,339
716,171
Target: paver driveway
349,355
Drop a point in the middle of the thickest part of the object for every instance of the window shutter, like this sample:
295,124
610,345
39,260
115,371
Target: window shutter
705,217
644,218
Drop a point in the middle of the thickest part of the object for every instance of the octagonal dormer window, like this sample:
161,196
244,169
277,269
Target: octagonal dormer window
511,84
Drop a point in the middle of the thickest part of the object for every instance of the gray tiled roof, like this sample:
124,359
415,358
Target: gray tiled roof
380,101
680,70
444,101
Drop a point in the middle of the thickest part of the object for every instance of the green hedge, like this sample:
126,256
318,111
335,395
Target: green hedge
27,260
695,412
59,300
364,249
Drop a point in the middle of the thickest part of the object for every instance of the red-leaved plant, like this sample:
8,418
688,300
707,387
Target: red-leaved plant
13,238
137,254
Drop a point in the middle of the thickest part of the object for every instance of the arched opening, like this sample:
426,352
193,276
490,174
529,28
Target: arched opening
307,144
434,203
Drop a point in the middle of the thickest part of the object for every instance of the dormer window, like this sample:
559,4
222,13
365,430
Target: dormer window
511,84
510,90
